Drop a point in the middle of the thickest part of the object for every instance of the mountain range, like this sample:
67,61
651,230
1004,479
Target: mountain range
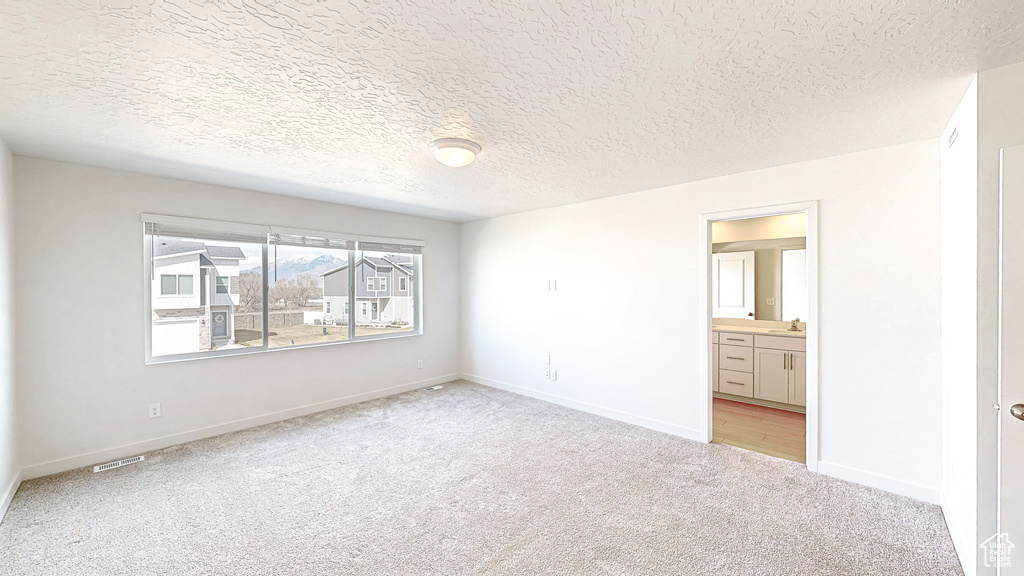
291,267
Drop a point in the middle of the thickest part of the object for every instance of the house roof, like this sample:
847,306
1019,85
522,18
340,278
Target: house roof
375,262
167,247
164,247
233,252
205,262
333,270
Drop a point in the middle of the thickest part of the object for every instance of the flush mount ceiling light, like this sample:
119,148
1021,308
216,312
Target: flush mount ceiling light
454,152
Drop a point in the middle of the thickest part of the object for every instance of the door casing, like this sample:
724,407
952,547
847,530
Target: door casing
810,208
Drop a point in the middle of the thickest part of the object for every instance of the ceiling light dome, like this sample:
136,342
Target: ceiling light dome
454,152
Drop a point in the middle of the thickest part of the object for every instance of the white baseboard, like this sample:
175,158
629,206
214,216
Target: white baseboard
659,425
887,483
964,550
8,494
116,453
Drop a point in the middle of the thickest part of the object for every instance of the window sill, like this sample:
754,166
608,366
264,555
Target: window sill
260,350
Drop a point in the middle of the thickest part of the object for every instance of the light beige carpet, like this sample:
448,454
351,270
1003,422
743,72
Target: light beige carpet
465,480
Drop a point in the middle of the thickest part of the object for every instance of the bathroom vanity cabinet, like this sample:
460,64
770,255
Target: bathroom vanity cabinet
769,369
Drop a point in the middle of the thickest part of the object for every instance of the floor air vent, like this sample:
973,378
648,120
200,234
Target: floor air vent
432,388
118,464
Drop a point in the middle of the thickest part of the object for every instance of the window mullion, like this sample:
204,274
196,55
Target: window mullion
266,298
352,294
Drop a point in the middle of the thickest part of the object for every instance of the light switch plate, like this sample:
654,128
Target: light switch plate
770,301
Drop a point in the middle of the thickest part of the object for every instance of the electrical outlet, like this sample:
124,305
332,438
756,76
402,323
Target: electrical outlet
419,363
154,410
554,375
770,301
547,374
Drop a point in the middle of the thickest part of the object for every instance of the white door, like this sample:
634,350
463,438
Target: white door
1011,354
732,285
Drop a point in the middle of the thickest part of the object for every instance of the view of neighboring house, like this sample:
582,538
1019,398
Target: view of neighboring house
195,292
383,292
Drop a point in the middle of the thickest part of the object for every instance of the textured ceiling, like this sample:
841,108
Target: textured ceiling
570,100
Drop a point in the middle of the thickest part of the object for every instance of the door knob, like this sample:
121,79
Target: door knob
1017,411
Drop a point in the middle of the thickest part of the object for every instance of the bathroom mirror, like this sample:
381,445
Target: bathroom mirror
777,283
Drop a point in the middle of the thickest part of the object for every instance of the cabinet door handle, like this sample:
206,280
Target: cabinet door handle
737,339
736,383
784,360
734,358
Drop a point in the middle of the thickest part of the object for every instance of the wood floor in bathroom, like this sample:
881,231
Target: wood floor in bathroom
766,430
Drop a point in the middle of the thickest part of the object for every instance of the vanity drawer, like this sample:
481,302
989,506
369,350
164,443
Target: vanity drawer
734,339
795,343
736,358
736,383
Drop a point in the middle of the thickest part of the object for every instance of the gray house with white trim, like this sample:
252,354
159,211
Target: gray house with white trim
384,292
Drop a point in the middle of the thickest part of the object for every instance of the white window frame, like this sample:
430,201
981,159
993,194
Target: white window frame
382,283
370,283
364,310
248,233
165,294
190,277
217,285
177,285
403,284
327,305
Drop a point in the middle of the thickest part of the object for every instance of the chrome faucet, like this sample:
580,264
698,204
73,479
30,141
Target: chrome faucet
793,326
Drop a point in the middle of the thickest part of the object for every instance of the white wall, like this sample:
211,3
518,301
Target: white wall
80,332
627,344
9,457
959,327
1000,124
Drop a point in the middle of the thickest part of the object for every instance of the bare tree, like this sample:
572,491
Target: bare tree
250,291
282,290
306,288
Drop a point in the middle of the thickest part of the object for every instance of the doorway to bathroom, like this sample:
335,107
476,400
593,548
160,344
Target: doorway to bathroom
759,330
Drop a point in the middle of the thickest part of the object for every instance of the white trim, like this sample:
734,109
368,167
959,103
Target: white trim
963,551
653,424
382,285
889,484
9,492
346,236
176,254
403,284
265,229
116,453
811,209
204,224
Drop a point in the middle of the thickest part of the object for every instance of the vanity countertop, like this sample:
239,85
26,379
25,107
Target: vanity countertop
758,330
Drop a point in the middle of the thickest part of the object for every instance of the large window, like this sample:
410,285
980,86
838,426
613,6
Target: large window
222,288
